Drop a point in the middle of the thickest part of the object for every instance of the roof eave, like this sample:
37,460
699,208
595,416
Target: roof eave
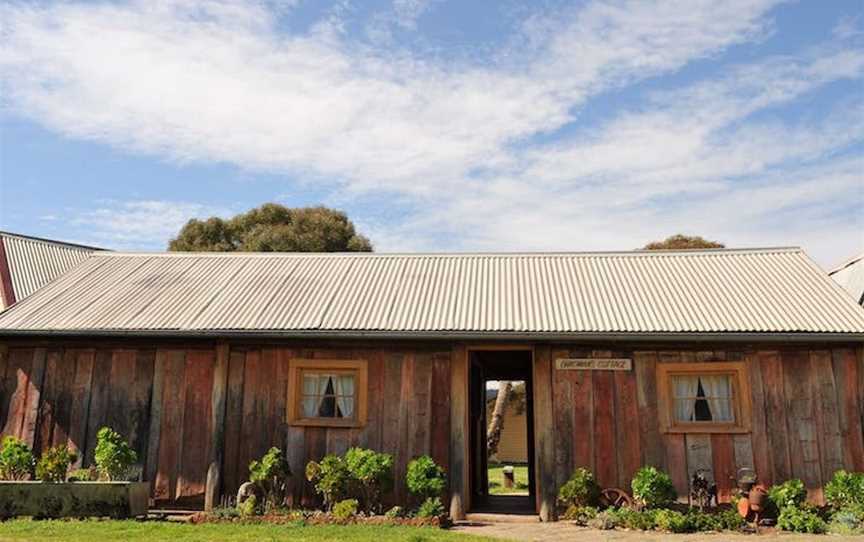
664,337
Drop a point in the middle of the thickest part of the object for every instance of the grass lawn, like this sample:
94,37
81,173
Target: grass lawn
102,531
496,479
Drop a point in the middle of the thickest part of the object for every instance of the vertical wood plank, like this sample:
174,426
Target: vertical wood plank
583,420
50,397
171,432
846,376
422,391
440,429
699,456
405,420
743,445
194,454
5,387
139,401
151,462
120,389
544,431
459,489
761,446
216,455
234,423
34,392
20,360
676,463
605,460
80,412
651,442
627,426
562,399
775,410
723,457
827,413
251,399
99,390
800,421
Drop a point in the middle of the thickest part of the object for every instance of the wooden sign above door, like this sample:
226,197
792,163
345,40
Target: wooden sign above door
592,364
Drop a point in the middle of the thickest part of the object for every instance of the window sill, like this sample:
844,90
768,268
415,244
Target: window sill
313,422
714,429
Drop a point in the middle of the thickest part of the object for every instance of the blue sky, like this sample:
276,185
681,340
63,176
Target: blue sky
439,125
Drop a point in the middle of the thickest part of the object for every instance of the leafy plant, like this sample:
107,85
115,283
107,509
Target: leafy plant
652,488
346,509
249,507
638,520
848,520
845,489
605,520
800,520
425,479
83,475
580,515
271,473
54,463
113,455
580,490
789,493
432,507
395,512
372,473
330,477
671,521
16,459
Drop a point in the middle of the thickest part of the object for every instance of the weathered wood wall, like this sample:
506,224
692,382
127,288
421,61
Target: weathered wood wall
808,406
807,415
160,400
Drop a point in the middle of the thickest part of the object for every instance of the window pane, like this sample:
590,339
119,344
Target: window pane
327,395
703,398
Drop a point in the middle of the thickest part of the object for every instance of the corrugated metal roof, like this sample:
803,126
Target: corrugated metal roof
34,262
850,276
711,291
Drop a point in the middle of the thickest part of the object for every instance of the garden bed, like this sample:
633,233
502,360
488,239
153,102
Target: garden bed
73,499
316,517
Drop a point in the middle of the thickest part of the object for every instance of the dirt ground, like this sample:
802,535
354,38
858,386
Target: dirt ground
561,531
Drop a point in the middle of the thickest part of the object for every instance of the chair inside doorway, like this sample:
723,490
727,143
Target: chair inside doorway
493,488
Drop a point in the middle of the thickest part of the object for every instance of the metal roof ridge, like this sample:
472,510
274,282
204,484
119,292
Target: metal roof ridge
846,263
52,241
610,253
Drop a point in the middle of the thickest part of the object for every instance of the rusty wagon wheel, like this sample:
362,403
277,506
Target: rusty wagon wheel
613,496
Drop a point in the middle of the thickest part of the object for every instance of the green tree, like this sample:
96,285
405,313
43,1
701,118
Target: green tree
680,241
273,228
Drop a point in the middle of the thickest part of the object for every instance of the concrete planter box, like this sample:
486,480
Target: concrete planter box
74,499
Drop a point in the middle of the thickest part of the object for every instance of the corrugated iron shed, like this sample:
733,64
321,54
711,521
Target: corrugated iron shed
850,276
29,263
709,291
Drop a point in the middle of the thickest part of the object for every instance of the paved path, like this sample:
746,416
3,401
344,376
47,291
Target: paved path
561,531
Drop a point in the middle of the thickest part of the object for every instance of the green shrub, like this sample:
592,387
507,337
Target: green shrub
225,513
671,521
801,519
581,515
724,520
730,519
54,463
249,507
579,490
845,489
652,488
789,493
425,478
16,459
346,509
331,479
432,507
371,473
83,475
271,473
113,455
637,520
605,520
395,512
847,521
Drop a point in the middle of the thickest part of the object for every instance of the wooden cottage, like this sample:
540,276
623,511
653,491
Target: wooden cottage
715,360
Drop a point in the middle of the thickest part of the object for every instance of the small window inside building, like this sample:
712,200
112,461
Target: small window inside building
327,392
704,397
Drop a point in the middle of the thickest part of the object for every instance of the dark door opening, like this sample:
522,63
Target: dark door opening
495,366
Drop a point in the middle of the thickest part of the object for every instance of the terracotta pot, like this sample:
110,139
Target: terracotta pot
758,498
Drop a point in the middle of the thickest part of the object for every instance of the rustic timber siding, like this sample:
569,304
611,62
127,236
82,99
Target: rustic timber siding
160,400
807,410
806,418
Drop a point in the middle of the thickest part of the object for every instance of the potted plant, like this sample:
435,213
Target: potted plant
103,491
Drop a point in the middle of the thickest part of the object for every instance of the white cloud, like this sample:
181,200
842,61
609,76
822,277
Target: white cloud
218,82
135,224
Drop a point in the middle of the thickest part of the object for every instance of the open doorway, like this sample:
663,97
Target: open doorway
493,489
